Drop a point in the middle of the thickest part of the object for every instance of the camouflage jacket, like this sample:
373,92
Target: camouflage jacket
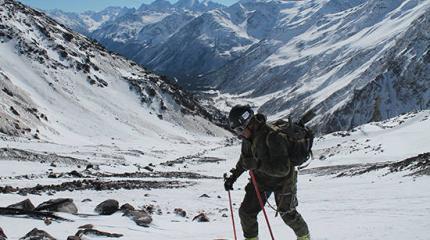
266,154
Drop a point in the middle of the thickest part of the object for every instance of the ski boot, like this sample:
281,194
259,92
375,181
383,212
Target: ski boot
304,237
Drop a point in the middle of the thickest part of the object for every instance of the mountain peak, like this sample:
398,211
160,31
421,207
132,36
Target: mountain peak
187,4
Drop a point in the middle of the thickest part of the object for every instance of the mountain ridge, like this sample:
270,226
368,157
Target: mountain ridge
56,83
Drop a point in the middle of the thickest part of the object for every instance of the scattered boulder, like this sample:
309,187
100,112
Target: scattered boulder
97,233
150,208
180,212
24,205
14,111
92,166
205,196
2,235
159,211
87,200
75,173
73,238
107,207
58,205
87,226
54,175
140,217
148,168
47,221
127,207
202,217
37,234
8,189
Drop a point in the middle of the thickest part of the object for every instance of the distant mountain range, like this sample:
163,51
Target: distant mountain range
350,62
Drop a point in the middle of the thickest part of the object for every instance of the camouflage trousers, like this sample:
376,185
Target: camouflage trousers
286,201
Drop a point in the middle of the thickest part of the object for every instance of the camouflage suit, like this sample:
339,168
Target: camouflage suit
265,154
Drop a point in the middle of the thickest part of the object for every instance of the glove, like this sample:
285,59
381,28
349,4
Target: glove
228,183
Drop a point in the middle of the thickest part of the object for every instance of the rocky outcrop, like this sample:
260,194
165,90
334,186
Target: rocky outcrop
107,207
140,217
202,217
24,205
97,233
37,234
58,205
126,207
180,212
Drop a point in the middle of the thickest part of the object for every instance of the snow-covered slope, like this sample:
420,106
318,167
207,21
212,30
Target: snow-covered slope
400,137
360,207
59,86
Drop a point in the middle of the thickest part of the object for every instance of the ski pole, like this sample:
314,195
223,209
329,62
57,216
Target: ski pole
232,217
254,182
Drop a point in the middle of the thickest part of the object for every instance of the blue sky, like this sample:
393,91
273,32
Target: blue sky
97,5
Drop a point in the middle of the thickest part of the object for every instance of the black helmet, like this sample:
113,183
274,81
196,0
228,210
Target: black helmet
239,117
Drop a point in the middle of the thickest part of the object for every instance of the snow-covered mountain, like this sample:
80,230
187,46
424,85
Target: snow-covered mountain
288,57
88,21
121,25
60,86
351,62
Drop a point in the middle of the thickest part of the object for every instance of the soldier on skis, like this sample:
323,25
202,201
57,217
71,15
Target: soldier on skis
263,153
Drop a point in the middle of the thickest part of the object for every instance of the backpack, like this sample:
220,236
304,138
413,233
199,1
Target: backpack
299,140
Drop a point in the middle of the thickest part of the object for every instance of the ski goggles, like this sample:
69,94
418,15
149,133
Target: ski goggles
244,124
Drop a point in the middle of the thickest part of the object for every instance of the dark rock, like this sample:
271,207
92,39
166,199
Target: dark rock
224,215
47,221
13,110
73,238
53,165
58,205
8,92
140,217
75,173
67,36
202,217
107,207
54,175
87,200
87,226
98,233
150,208
2,235
89,166
180,212
127,207
37,234
24,205
148,168
8,189
205,196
